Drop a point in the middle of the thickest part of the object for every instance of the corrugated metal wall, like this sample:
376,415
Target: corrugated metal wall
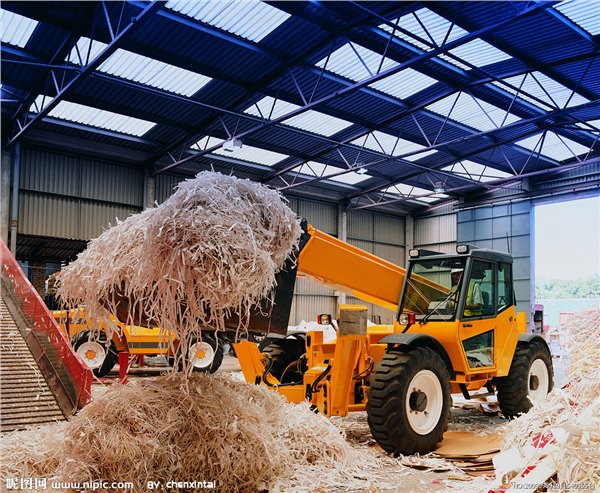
503,228
165,185
311,298
67,196
437,233
383,236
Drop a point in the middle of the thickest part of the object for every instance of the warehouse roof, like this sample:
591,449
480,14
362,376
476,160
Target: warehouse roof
380,104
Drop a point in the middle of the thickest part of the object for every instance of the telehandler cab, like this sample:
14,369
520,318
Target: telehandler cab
455,330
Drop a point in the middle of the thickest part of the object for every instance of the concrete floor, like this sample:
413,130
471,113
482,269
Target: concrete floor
392,476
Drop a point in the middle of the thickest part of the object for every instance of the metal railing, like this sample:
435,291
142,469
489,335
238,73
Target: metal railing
67,375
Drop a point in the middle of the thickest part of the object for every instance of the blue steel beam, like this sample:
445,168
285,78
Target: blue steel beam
562,169
377,77
135,24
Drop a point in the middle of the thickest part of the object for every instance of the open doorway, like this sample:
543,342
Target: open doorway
566,262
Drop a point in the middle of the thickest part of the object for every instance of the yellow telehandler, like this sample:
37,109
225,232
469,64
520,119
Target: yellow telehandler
455,330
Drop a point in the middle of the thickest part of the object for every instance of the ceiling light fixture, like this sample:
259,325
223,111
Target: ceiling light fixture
232,145
438,187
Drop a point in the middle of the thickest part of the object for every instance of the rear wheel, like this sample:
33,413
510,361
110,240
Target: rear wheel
94,352
409,401
529,380
205,355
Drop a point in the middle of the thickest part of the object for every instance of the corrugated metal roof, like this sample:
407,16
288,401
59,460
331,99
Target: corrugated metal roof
253,155
472,111
16,29
315,169
479,53
427,25
311,121
585,13
554,146
74,112
355,62
536,84
475,171
250,19
404,84
390,145
132,66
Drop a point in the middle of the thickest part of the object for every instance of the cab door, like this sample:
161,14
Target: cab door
477,328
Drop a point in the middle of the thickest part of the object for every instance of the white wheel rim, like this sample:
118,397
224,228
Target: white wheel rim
201,355
538,370
423,422
92,353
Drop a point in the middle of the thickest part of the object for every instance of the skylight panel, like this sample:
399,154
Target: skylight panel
537,84
472,112
434,31
591,125
206,142
554,147
404,84
388,144
16,29
310,120
139,68
584,14
475,171
270,108
412,192
86,115
355,62
479,53
253,155
250,19
315,169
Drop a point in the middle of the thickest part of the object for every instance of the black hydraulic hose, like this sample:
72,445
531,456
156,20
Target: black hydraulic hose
313,387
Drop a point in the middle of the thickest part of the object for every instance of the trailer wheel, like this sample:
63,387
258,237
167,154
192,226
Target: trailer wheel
409,401
528,382
283,354
205,355
94,353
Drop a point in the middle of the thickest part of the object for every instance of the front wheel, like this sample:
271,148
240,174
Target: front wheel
409,401
529,380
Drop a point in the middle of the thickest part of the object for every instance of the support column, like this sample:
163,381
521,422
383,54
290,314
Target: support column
14,209
409,235
342,229
149,195
5,195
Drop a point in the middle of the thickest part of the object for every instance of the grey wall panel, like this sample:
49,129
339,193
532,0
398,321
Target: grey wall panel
391,253
95,218
360,225
321,215
307,308
367,246
165,185
49,172
437,233
306,286
388,229
498,228
47,215
112,183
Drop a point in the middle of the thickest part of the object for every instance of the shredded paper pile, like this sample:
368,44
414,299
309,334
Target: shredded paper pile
561,436
208,252
244,438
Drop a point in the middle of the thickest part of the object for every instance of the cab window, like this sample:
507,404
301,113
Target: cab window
505,292
479,301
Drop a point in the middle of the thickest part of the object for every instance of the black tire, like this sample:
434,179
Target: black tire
283,353
217,359
515,388
391,402
112,355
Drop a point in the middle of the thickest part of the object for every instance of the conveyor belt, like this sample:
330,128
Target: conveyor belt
25,398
